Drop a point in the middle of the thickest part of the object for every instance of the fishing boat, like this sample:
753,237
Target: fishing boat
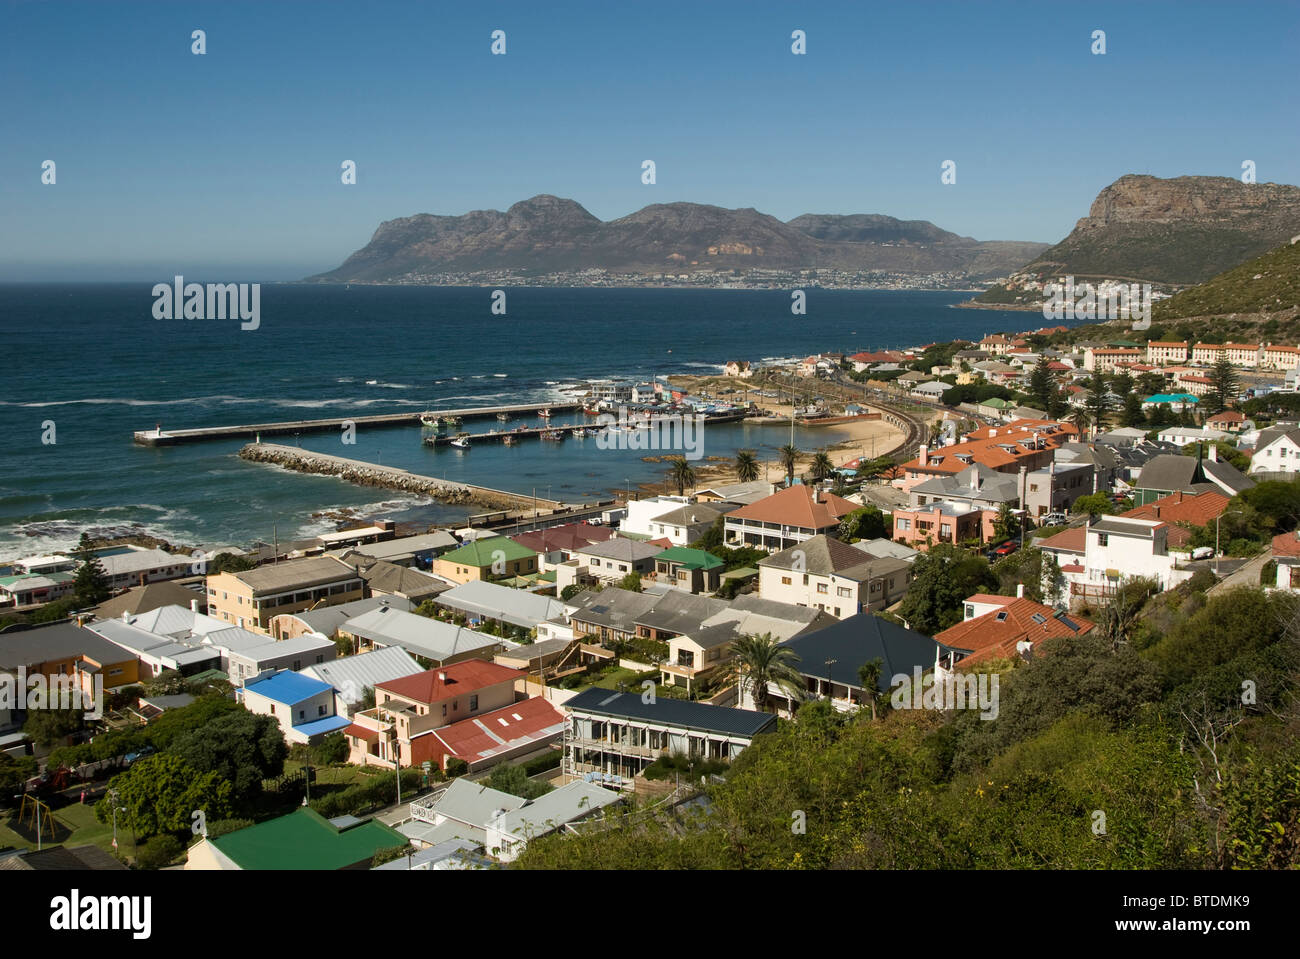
545,414
461,441
430,419
451,420
554,436
511,440
503,417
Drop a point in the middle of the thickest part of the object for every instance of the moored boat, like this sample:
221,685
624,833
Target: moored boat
461,441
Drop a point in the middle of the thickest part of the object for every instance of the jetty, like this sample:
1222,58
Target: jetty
391,477
161,437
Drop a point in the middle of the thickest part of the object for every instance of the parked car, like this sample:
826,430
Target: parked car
1054,519
1203,552
1003,549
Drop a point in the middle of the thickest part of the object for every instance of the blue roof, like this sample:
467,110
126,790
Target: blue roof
288,687
1171,398
327,725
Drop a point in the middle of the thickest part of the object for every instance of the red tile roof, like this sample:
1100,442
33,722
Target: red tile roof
361,732
986,448
995,634
1073,540
1286,544
464,677
987,599
794,506
570,536
1182,507
474,739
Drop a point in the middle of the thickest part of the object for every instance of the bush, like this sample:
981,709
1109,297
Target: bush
542,763
158,852
1268,573
456,767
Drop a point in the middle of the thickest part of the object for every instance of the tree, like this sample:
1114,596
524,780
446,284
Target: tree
746,466
822,466
865,523
573,589
90,585
1098,405
330,750
681,474
160,794
1148,384
789,456
632,581
1094,504
1042,385
761,660
1080,417
1119,615
239,747
514,780
1006,524
869,676
1225,386
1133,414
943,577
49,727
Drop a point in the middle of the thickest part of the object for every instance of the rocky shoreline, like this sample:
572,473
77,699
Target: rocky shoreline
369,474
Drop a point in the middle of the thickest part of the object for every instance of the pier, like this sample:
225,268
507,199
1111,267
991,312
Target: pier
391,477
156,437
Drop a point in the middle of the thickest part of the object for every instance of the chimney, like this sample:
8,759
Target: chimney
194,605
993,432
1020,590
126,617
1156,508
442,676
1214,453
974,478
922,454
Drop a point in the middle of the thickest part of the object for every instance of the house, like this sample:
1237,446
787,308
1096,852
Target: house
300,840
59,859
138,566
1007,631
1055,487
738,368
693,570
1177,402
440,643
304,707
977,486
829,659
1277,452
640,512
501,823
408,709
742,494
556,544
1020,444
930,390
1185,435
509,733
825,574
939,522
484,602
390,581
143,599
1170,472
251,599
1193,509
34,589
617,735
1286,554
486,558
1097,558
685,524
886,549
327,620
1229,421
608,562
68,656
350,676
416,552
786,518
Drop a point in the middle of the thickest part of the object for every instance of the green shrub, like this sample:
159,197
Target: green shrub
158,852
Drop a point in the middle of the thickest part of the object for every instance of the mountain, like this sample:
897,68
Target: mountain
547,234
1175,231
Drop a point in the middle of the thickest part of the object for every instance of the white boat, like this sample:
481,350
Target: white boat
461,442
545,414
503,417
430,419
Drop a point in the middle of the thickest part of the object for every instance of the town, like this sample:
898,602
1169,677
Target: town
451,698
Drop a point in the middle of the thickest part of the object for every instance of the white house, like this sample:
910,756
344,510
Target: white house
1097,558
1182,435
303,706
1277,451
640,512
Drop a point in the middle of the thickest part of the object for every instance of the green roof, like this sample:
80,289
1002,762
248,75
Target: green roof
547,577
743,573
52,577
995,403
690,558
483,552
304,839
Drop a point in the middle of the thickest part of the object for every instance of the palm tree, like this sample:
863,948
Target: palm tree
788,457
822,466
1081,418
746,466
869,676
682,474
761,660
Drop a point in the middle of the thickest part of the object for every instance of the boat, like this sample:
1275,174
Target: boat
511,440
545,414
461,441
503,417
430,419
451,420
554,436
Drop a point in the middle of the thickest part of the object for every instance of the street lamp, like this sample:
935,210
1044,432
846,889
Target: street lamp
830,682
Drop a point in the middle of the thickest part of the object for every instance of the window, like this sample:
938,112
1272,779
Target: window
785,580
320,710
273,709
805,579
843,591
821,588
444,709
903,523
473,702
1102,539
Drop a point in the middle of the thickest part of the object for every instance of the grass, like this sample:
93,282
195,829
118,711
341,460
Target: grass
74,825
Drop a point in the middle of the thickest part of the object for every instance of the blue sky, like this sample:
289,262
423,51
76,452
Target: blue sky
170,162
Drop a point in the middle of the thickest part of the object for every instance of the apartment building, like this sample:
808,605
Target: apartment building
1163,353
251,599
823,573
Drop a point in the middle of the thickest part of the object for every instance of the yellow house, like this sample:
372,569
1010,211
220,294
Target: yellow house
252,598
487,558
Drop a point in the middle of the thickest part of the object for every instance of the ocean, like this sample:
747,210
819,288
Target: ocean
87,364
